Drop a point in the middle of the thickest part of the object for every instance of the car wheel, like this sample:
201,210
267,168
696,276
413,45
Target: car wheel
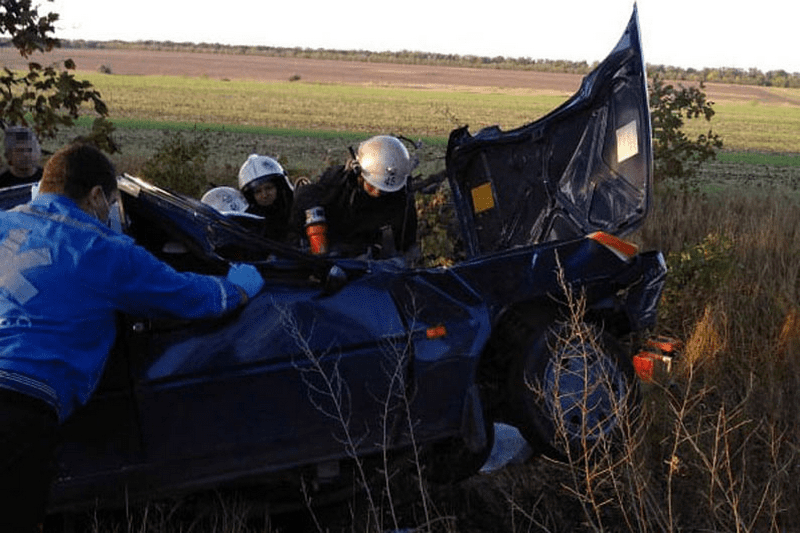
451,461
578,393
455,459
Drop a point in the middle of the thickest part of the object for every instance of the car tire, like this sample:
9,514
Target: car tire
454,459
451,461
561,416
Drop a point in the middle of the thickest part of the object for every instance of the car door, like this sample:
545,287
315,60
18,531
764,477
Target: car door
100,445
296,377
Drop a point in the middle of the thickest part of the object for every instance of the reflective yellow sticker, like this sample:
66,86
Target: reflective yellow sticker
482,198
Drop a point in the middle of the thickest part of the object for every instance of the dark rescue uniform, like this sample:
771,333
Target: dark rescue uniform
357,222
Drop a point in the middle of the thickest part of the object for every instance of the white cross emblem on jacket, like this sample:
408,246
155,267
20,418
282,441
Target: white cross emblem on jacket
13,264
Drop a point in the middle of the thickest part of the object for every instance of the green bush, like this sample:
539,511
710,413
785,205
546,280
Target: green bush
179,162
675,155
437,228
697,273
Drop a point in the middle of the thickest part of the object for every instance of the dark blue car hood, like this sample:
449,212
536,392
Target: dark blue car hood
584,167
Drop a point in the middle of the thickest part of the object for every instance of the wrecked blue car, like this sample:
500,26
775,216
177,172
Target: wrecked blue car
339,361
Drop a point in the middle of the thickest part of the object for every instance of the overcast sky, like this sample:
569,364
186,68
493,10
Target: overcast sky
683,33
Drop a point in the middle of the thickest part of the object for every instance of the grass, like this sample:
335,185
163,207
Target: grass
371,109
761,159
318,107
733,295
753,126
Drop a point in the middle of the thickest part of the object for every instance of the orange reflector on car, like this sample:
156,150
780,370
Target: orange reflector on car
644,366
625,250
659,350
665,344
436,332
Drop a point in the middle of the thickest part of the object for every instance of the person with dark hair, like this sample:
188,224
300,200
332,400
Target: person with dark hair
23,154
366,203
64,274
269,194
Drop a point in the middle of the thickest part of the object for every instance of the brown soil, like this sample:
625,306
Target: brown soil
264,68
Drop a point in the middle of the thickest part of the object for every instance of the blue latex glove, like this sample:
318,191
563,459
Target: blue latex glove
247,277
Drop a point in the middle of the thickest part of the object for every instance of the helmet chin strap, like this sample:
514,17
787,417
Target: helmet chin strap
352,163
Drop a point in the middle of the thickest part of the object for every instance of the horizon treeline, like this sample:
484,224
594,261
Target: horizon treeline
752,76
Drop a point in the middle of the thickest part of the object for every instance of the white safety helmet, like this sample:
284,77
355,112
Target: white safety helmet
226,200
385,163
258,167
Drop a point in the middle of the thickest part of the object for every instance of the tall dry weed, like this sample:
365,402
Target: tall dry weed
733,406
789,337
720,448
705,342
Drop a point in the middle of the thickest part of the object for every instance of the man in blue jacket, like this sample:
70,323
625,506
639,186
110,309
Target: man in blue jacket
64,274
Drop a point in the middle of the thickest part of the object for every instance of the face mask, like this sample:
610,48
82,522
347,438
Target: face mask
110,214
114,220
101,213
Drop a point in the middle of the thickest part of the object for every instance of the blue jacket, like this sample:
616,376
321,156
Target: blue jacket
63,277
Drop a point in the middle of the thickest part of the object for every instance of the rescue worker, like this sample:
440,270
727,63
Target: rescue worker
64,274
23,154
226,200
269,193
367,206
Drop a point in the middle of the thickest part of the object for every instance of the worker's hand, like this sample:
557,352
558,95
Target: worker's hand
247,277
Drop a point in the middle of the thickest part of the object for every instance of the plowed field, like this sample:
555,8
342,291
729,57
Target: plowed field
255,67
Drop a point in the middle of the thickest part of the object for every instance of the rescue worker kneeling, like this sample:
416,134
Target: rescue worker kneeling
366,202
64,274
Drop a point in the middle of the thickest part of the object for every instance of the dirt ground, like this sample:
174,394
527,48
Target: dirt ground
264,68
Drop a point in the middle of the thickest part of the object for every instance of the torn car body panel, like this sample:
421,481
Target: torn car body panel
586,166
